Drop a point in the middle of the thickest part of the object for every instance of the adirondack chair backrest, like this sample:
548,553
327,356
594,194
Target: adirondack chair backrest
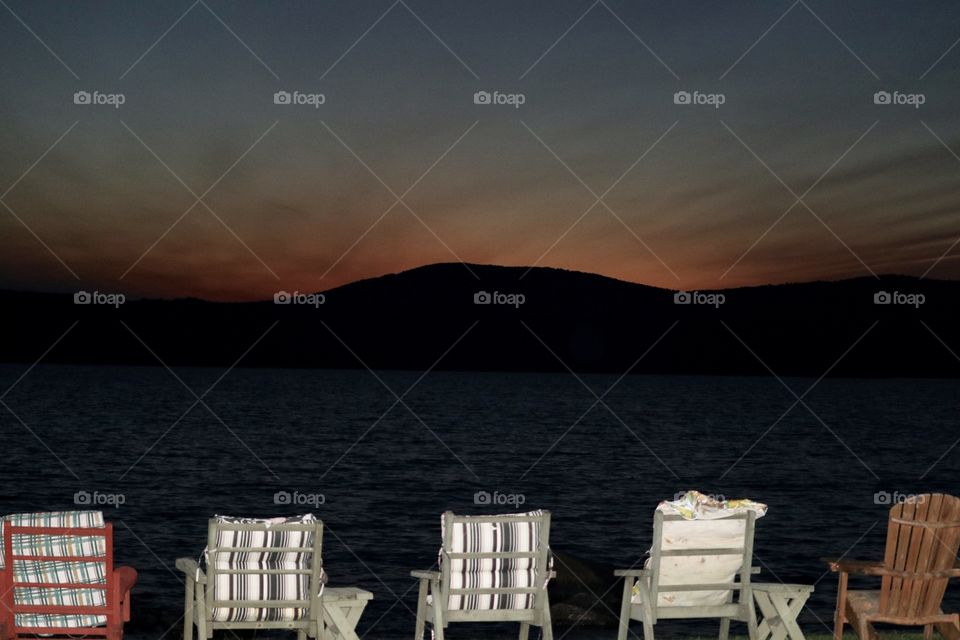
923,535
709,553
495,562
55,560
263,571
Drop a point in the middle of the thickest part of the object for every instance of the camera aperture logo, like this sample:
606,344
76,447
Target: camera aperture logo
496,97
898,98
98,499
698,98
498,499
499,298
899,298
98,98
310,299
95,297
299,98
699,298
297,498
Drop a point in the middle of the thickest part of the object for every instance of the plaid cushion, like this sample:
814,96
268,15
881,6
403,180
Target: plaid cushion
59,571
253,586
506,536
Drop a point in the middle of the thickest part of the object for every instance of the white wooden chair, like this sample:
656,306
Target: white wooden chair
698,568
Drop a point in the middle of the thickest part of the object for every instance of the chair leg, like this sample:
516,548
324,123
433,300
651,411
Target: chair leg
438,622
724,628
647,629
839,618
188,611
864,630
421,611
927,632
625,608
546,626
200,615
752,627
725,622
648,617
950,630
524,630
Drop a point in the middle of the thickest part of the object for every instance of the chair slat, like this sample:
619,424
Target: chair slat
719,586
479,555
911,560
899,558
493,590
727,551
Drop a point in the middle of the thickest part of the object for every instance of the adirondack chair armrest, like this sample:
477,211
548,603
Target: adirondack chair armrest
631,573
126,577
426,575
877,568
193,571
859,567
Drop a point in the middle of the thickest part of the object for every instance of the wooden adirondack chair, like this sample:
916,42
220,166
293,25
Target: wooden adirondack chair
923,536
669,572
492,569
58,578
258,575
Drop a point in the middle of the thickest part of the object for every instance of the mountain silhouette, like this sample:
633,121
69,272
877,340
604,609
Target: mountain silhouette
493,318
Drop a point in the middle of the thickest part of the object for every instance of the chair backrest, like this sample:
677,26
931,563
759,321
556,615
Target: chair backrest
923,535
263,571
697,562
56,569
495,562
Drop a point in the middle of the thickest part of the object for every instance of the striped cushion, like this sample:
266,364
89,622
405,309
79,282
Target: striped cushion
273,587
59,571
506,536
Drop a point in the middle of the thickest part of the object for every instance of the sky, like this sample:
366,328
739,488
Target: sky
784,165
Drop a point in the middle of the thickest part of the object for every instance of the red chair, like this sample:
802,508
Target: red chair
59,579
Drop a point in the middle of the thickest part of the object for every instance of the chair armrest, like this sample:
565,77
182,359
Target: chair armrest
126,577
426,575
860,567
193,571
634,573
877,568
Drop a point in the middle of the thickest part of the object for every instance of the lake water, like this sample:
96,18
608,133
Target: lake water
379,472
